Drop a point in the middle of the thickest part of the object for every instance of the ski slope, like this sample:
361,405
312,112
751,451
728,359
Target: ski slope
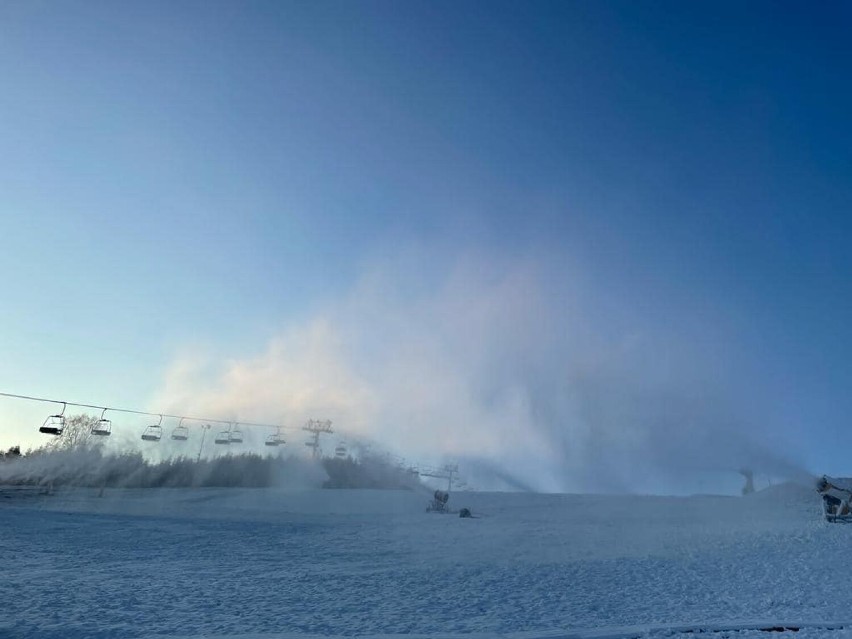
269,563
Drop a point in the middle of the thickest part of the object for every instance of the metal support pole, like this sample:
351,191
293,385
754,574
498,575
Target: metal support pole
204,430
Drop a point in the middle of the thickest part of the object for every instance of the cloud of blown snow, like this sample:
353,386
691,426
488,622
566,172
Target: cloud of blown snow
517,367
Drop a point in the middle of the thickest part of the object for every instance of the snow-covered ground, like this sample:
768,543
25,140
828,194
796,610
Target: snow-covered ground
268,563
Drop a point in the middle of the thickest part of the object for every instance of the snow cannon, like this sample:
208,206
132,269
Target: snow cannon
439,502
836,497
748,489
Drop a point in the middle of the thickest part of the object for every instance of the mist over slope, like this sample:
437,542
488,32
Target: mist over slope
92,467
521,365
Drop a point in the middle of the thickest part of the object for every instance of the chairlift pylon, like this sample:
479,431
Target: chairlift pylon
54,424
103,427
180,433
154,432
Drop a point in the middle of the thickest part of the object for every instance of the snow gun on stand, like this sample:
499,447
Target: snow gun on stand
439,502
439,505
836,498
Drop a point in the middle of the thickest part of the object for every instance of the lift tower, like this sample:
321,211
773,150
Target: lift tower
445,472
316,427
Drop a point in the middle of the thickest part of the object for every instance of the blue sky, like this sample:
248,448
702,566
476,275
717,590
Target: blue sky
208,176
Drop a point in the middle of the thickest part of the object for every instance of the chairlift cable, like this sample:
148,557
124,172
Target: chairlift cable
55,424
140,412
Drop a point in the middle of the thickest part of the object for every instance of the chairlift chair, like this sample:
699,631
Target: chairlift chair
154,433
103,427
224,437
180,433
340,451
275,439
236,436
54,424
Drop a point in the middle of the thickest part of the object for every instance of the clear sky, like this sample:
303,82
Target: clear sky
493,218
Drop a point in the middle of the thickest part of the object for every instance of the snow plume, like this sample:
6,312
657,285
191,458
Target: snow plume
92,466
521,369
79,458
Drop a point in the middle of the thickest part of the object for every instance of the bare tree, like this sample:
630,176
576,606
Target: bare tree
13,453
76,434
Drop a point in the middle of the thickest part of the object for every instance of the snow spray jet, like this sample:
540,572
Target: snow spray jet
91,467
488,472
75,459
631,437
512,363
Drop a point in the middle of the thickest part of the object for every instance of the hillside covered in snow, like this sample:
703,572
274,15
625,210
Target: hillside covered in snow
269,562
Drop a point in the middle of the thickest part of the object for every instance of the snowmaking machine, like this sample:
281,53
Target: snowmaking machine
439,502
836,498
439,505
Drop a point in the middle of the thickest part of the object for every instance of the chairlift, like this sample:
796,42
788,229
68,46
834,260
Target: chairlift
180,433
340,451
275,439
154,432
103,427
224,437
54,424
236,436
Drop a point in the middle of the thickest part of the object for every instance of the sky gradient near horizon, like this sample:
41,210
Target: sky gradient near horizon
587,215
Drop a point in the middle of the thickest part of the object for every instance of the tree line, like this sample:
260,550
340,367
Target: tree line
78,458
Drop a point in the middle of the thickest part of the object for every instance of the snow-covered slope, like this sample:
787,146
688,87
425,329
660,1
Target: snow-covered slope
269,563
